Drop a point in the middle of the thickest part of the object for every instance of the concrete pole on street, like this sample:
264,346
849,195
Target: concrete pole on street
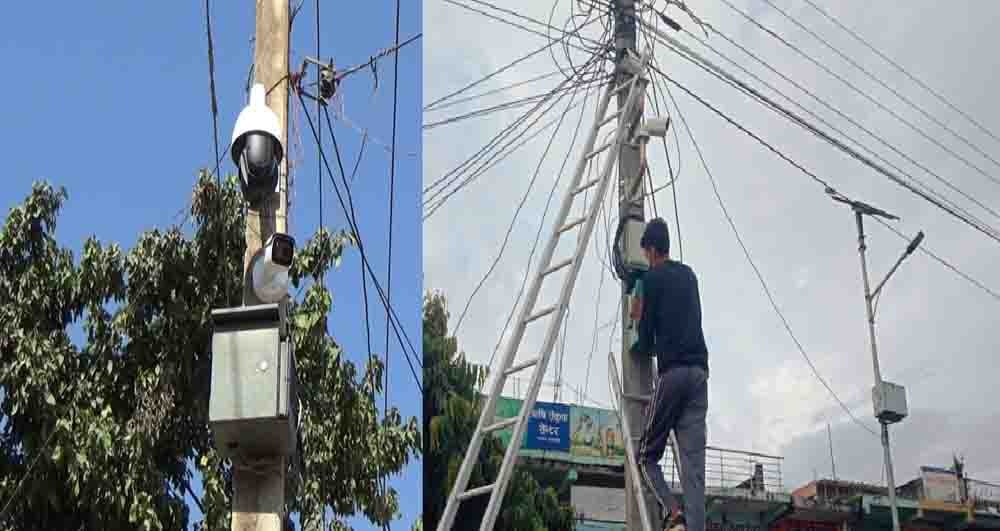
637,371
259,495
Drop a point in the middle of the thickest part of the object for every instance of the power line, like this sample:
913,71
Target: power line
896,93
44,449
862,93
517,212
903,70
364,258
357,233
520,26
441,195
721,74
500,70
942,261
495,91
853,122
760,277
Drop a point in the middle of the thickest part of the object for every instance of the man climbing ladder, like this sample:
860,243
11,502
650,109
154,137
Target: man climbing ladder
669,310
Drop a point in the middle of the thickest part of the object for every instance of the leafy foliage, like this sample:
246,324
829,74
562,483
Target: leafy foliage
451,412
105,435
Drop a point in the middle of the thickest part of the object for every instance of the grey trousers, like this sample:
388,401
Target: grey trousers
679,403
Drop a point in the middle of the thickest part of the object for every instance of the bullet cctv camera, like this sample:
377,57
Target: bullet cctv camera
270,269
256,149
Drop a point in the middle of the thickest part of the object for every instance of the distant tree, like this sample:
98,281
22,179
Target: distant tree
100,436
451,412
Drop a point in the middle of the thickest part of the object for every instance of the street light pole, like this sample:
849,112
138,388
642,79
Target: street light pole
878,374
884,413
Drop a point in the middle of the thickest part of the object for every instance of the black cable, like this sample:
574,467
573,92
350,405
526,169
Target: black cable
42,450
853,122
863,94
513,220
319,139
515,24
364,258
494,91
538,233
760,277
357,233
884,85
942,261
215,137
392,195
441,195
495,73
836,143
901,69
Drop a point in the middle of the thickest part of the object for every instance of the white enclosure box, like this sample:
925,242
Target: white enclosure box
890,402
634,259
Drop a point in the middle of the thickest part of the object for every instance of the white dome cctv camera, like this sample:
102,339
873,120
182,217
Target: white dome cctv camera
270,269
256,149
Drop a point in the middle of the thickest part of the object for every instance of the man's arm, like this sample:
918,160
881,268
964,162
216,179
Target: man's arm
651,293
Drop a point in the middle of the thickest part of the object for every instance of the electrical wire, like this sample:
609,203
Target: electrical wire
496,72
513,221
853,122
760,277
884,85
988,231
862,93
494,91
438,198
538,233
357,234
43,450
942,261
901,69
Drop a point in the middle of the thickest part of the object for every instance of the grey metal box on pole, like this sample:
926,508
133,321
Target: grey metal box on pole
253,404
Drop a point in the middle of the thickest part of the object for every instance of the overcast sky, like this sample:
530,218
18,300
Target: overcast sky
937,333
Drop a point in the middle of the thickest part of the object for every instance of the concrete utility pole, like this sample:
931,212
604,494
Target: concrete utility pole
259,495
637,371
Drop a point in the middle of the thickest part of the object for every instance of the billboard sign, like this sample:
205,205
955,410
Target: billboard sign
940,484
564,432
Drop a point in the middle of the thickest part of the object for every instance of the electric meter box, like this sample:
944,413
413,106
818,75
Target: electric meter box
634,259
890,402
253,404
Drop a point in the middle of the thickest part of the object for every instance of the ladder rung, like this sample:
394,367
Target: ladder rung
637,398
586,185
558,266
500,425
570,225
520,366
612,116
540,314
476,491
597,151
623,85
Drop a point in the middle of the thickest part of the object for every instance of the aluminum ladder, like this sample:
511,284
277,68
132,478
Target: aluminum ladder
632,79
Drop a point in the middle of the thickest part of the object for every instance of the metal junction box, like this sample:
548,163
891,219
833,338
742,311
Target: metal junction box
890,402
634,259
253,405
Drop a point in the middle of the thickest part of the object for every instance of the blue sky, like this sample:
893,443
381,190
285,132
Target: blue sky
111,101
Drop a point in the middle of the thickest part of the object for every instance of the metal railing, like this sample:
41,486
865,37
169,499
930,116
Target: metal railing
733,469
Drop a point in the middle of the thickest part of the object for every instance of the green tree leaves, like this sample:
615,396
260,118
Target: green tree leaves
125,413
451,412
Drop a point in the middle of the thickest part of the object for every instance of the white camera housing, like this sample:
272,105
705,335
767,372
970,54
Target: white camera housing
257,149
270,269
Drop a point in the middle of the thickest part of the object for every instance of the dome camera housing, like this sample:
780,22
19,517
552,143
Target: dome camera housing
257,150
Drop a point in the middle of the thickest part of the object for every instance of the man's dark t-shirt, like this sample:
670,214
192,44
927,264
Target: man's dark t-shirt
670,326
